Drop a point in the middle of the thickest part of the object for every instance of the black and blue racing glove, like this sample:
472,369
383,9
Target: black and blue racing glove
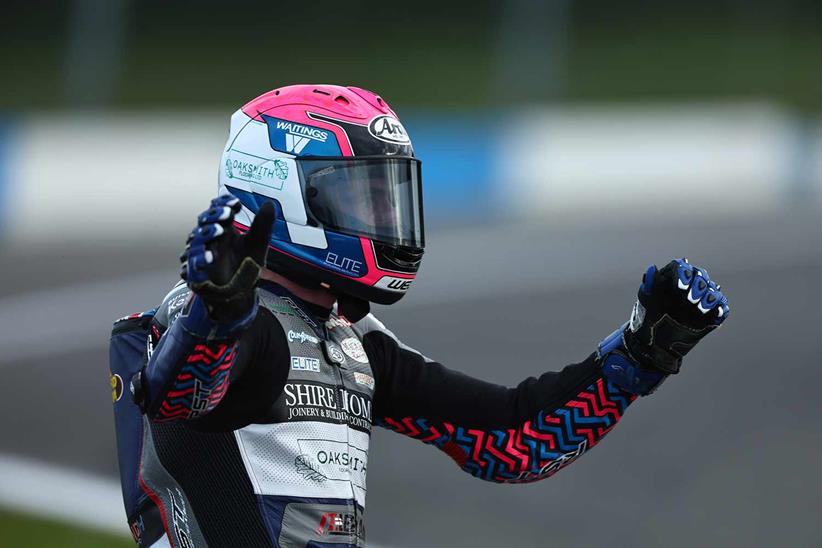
221,265
676,307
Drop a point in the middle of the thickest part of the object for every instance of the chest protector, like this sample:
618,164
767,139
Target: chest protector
314,444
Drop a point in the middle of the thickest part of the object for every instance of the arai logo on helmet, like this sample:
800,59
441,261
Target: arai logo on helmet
389,129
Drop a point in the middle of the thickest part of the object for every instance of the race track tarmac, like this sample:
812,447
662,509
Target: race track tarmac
725,454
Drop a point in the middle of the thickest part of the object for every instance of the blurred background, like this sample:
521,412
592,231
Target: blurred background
565,146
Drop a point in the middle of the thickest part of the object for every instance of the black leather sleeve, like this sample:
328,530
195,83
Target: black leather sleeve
410,386
500,434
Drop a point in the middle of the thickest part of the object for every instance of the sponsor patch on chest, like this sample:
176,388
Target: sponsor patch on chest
354,350
321,402
364,379
301,363
302,337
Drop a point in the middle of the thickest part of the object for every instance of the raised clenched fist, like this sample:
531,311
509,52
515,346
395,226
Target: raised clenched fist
676,306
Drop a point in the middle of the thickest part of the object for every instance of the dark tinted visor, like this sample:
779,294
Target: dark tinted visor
377,197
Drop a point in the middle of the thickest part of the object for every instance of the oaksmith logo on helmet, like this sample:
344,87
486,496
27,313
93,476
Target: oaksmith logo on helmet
253,169
389,129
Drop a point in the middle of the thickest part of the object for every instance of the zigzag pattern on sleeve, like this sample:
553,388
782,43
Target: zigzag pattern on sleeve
537,449
201,383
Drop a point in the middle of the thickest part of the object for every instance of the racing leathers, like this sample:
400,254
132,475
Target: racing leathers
259,436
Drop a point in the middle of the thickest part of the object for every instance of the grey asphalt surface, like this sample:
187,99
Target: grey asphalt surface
725,454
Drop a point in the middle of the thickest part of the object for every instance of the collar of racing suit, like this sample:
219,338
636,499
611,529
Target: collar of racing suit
318,312
351,308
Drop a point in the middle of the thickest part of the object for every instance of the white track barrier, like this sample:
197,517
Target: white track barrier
695,160
115,172
122,171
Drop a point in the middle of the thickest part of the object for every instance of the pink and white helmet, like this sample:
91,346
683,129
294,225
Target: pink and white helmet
340,169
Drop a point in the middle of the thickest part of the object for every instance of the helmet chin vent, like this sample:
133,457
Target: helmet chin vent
398,258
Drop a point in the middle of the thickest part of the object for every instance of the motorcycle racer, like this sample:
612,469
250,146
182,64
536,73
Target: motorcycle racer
264,371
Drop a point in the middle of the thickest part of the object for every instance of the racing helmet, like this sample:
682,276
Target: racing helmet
340,169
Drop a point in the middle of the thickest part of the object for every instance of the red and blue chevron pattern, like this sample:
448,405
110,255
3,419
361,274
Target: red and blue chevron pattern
537,449
201,383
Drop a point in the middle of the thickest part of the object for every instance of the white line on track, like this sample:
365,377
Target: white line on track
63,494
57,320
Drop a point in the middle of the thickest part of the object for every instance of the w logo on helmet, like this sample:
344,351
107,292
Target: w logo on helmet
295,144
